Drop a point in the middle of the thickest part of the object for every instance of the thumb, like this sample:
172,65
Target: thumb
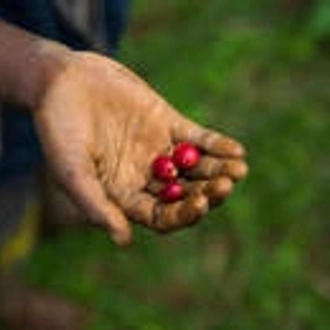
87,192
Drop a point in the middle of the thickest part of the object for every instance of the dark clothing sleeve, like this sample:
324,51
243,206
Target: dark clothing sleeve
41,17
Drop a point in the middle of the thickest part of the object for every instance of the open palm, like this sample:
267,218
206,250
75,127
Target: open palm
101,126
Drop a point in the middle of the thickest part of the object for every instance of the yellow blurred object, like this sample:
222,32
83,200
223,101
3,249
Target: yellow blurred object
18,245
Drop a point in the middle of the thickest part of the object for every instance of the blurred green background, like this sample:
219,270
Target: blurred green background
258,71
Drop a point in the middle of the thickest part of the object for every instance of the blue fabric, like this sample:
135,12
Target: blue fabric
116,15
21,150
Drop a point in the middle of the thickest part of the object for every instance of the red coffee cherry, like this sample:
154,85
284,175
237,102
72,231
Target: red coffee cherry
172,192
164,168
186,155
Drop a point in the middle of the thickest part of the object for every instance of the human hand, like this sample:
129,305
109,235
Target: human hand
101,126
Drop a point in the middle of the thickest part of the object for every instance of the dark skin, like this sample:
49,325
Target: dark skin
101,126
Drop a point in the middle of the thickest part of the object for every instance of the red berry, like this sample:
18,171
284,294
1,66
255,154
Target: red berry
172,192
186,155
164,168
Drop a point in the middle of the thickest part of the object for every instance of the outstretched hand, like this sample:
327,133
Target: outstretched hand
101,127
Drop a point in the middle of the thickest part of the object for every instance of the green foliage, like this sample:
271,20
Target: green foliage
319,24
262,260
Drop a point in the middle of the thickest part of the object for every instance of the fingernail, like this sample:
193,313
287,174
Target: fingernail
239,150
242,171
222,187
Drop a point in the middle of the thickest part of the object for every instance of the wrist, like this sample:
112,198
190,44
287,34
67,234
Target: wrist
50,59
28,65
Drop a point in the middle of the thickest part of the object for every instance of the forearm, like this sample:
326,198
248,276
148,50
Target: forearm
28,64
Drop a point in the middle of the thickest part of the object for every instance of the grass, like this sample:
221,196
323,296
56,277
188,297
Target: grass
262,260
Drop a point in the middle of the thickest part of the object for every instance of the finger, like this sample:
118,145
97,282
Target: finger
163,217
216,189
140,208
208,140
209,167
184,213
87,192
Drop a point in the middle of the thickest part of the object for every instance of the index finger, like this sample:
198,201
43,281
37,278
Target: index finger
208,140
